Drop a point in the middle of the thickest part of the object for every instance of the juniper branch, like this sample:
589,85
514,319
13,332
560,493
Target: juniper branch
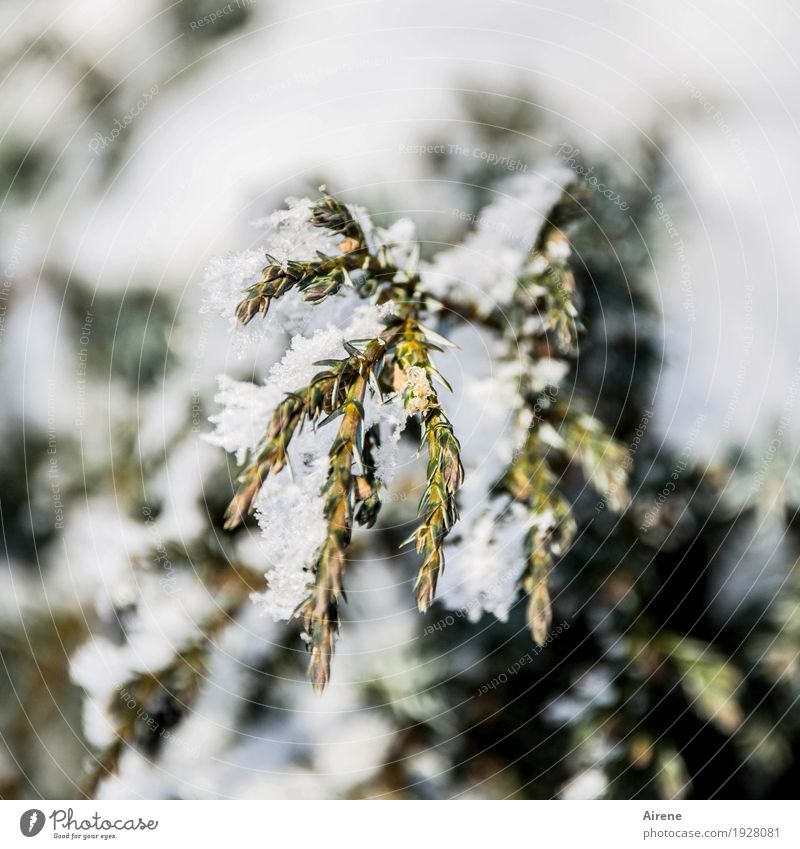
317,278
321,610
343,490
604,460
323,395
367,485
270,456
547,284
529,480
445,473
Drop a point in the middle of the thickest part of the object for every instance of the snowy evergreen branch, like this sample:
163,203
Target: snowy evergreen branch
320,610
536,318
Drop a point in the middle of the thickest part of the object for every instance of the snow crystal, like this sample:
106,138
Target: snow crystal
485,411
487,263
399,241
290,235
391,416
485,555
485,564
289,506
290,514
246,407
226,278
417,380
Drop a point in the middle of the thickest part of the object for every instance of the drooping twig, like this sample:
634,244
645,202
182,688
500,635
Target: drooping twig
445,473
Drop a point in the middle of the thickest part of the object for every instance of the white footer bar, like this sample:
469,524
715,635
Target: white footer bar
354,825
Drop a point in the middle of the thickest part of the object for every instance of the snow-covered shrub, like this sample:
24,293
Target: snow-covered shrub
373,330
192,691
